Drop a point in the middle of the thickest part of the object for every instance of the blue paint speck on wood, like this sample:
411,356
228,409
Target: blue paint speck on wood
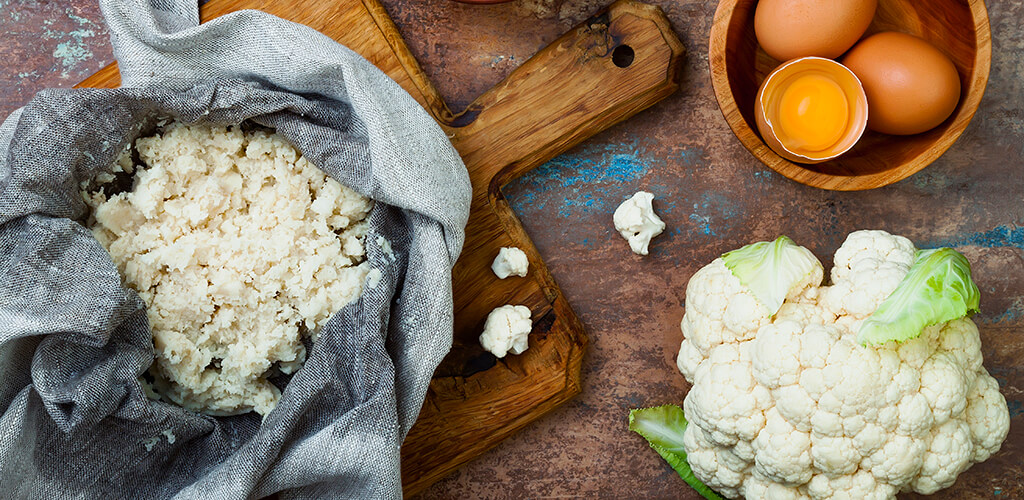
704,223
1012,314
1000,236
575,169
591,179
1016,408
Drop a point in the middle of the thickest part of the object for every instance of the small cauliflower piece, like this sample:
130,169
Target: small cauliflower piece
864,388
507,330
636,221
510,261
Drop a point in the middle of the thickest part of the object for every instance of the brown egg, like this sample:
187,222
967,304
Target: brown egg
911,86
788,29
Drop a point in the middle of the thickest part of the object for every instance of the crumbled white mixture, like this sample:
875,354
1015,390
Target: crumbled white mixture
507,330
385,246
636,221
151,442
373,278
239,247
510,261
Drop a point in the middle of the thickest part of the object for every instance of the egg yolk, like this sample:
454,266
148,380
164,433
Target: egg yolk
813,113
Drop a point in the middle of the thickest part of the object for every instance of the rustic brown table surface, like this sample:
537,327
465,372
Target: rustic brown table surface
711,192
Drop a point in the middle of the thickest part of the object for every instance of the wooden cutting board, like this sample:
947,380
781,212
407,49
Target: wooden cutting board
605,70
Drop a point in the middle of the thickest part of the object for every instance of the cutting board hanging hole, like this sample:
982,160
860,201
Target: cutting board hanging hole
623,56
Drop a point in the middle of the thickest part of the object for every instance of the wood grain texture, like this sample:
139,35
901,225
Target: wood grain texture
567,92
614,65
959,28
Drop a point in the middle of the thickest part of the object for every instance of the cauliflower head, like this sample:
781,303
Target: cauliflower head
788,403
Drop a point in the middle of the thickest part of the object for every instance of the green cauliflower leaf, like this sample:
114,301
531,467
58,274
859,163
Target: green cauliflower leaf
938,288
770,269
663,428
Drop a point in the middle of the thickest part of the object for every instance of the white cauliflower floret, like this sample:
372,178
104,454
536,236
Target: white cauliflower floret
948,455
636,221
758,486
898,461
727,401
727,469
867,268
943,384
507,330
858,486
783,453
788,403
866,249
987,416
689,359
511,261
723,310
776,359
806,313
961,340
836,454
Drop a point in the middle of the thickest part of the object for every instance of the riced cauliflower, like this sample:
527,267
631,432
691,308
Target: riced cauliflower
507,330
870,386
240,248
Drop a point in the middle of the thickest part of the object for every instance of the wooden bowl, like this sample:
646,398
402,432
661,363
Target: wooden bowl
959,28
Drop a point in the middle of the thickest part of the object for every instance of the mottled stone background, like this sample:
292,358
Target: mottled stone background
711,192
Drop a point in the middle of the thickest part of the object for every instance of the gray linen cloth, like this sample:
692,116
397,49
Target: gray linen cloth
73,340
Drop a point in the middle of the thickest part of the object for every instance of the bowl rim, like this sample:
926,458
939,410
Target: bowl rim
717,55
